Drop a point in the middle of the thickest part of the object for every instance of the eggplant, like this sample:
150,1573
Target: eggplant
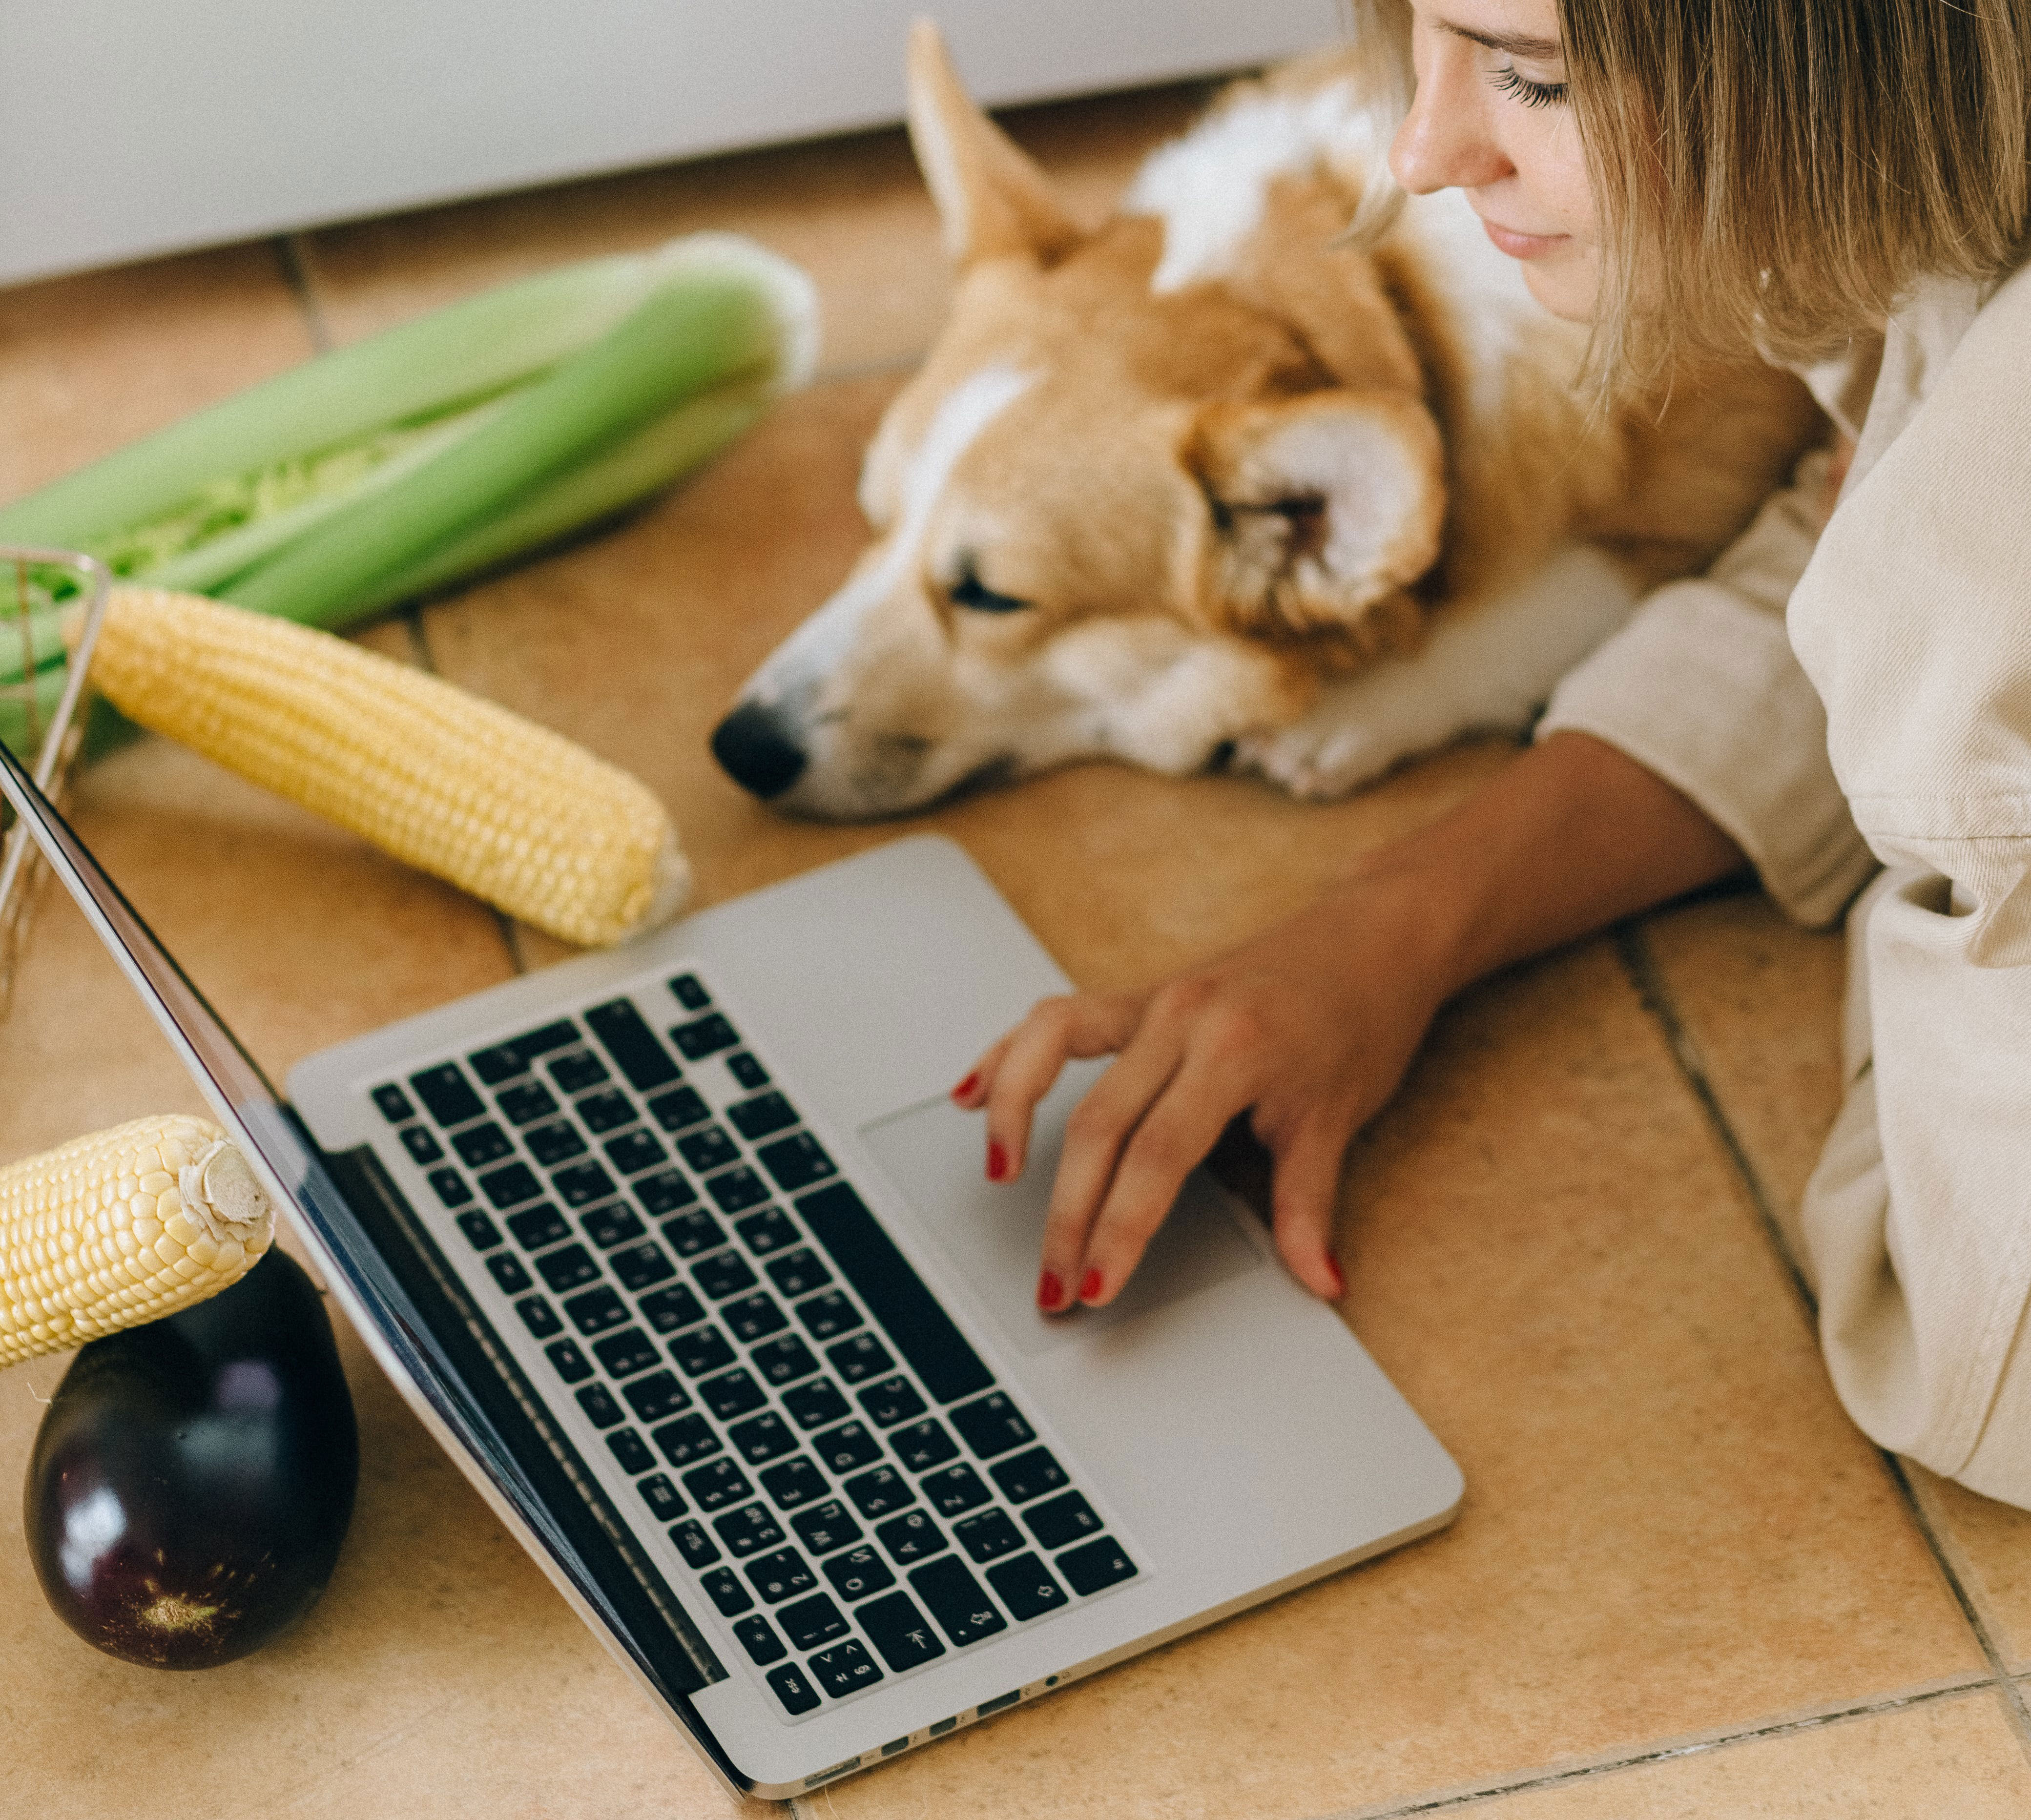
192,1479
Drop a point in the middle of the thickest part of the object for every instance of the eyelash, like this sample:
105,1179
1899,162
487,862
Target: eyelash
1509,81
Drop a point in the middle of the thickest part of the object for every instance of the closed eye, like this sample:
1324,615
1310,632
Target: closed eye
970,592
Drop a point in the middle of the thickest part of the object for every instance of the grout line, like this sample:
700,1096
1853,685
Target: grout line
289,256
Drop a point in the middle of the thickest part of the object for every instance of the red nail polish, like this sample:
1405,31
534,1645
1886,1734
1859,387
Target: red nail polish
997,1161
967,1086
1050,1291
1089,1285
1338,1281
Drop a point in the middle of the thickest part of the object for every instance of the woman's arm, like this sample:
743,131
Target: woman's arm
1309,1026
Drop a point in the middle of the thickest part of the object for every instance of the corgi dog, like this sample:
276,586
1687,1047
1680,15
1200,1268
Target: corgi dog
1278,469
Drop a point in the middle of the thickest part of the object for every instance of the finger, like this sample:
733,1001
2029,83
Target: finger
1304,1200
1032,1055
973,1090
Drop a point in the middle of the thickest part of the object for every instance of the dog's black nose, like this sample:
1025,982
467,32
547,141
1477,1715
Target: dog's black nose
756,750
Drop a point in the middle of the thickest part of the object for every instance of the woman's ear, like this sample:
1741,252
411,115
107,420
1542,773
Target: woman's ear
1322,506
991,197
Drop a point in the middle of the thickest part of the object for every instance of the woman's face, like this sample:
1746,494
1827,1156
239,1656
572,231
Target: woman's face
1490,118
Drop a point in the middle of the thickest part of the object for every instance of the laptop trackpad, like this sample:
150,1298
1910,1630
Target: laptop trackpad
992,1233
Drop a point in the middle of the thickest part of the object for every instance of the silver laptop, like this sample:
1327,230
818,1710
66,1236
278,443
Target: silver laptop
684,1256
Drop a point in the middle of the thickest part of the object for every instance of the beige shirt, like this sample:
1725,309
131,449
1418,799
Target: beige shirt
1860,697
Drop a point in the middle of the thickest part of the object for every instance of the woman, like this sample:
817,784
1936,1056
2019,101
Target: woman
1842,185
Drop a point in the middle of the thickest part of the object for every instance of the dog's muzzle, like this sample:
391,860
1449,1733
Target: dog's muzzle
756,748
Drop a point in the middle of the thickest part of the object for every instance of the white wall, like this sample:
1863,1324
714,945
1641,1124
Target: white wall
132,127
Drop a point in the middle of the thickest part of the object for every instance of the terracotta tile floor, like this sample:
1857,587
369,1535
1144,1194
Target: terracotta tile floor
1681,1584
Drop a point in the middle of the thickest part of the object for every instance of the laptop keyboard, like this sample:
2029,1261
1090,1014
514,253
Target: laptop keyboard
832,1464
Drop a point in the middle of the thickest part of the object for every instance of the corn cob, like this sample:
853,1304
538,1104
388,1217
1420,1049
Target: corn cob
124,1226
454,785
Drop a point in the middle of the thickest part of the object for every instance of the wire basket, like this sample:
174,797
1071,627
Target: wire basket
42,681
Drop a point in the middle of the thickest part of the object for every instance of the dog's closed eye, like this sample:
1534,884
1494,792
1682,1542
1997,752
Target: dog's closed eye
970,592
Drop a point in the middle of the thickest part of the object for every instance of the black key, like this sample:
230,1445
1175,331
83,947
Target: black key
669,1309
953,1490
751,1316
878,1493
538,1316
924,1445
857,1573
567,1267
577,1071
693,1233
762,1644
661,1496
892,1401
638,1267
708,1150
723,1274
664,1193
596,1311
912,1536
783,1361
570,1363
946,1366
862,1357
496,1064
1062,1521
634,1151
581,1184
394,1104
1026,1587
630,1450
703,1036
698,1549
1093,1565
702,1349
633,1044
505,1060
450,1187
827,1315
797,1162
763,1438
506,1269
828,1526
688,1438
447,1093
600,1409
847,1448
758,1117
1028,1475
797,1695
899,1632
811,1405
735,1189
716,1484
732,1393
481,1232
690,992
538,1226
748,1071
678,1109
483,1144
844,1668
747,1530
555,1143
722,1585
614,1223
989,1536
768,1231
422,1146
793,1483
799,1274
525,1102
965,1614
510,1185
656,1396
781,1575
606,1111
811,1621
992,1426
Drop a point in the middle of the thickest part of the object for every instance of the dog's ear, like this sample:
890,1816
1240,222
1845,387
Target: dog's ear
991,197
1322,506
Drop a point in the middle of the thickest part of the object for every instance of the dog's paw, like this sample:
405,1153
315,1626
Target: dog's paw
1317,758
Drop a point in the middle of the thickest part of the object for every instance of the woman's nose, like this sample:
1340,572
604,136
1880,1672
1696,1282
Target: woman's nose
1444,142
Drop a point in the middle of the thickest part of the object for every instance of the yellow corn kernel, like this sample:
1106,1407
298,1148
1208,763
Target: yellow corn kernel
452,785
124,1226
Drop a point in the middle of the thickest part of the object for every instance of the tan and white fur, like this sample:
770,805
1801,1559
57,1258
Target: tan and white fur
1219,482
